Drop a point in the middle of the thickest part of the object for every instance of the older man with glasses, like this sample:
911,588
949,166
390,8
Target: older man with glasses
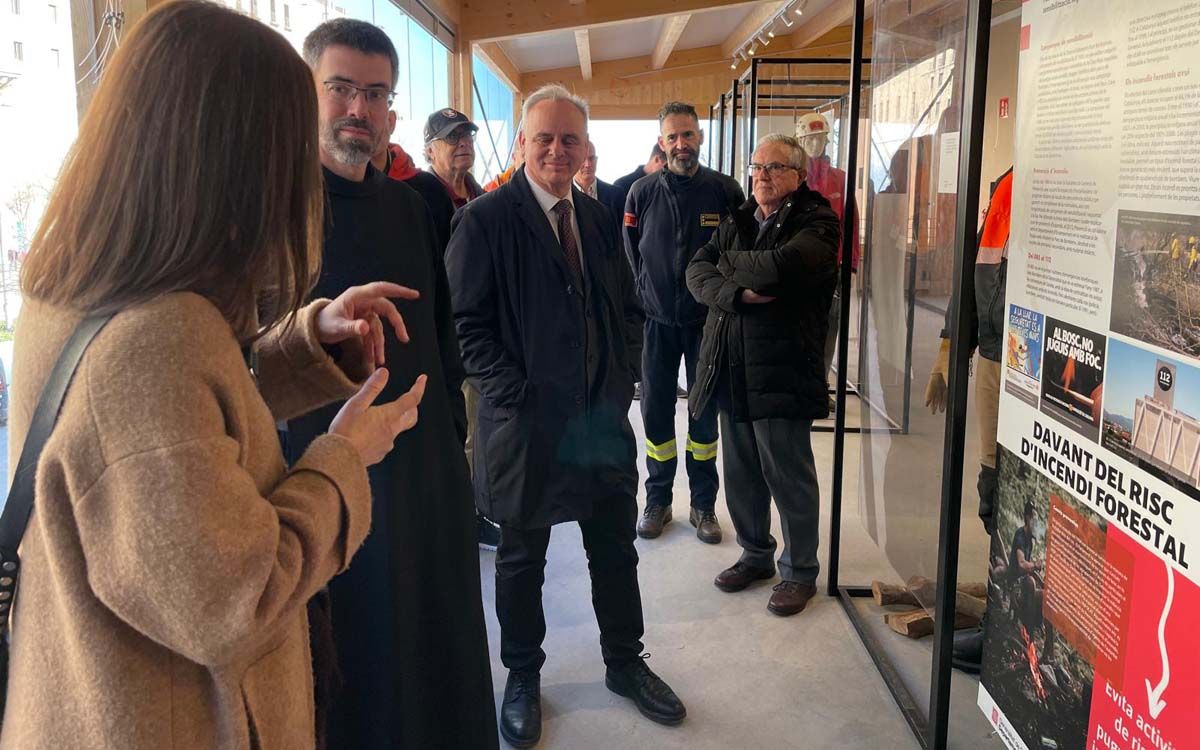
450,151
767,277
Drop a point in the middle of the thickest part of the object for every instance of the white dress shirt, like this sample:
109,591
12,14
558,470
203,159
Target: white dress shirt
591,191
548,202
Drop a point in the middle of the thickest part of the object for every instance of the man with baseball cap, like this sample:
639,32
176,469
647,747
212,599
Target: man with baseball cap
450,151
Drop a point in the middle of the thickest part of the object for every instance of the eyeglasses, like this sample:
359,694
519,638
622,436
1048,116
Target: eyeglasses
458,136
345,93
771,169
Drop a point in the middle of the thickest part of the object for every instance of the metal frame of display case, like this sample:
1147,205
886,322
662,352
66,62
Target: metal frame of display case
750,82
931,727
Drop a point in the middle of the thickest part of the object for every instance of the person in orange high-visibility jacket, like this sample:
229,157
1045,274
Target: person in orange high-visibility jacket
517,160
987,310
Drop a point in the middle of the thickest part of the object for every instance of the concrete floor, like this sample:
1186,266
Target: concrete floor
749,678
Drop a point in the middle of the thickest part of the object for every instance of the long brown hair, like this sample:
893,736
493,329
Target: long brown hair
196,168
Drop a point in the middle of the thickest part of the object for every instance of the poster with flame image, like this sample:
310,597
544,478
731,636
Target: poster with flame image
1034,665
1073,377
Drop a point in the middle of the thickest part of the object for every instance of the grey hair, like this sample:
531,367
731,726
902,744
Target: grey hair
553,92
798,158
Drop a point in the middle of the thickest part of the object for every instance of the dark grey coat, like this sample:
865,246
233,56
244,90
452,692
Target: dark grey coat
555,367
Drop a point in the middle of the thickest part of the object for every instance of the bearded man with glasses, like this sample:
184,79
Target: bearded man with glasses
767,277
409,645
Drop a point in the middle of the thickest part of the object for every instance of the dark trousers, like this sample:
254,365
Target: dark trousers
612,561
831,335
662,348
765,459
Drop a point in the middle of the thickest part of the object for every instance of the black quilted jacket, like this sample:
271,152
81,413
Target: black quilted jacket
771,355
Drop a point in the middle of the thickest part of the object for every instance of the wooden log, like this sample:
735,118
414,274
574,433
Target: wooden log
918,623
965,604
919,592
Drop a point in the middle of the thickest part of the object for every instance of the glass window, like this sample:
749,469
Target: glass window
37,88
623,145
42,89
423,84
494,116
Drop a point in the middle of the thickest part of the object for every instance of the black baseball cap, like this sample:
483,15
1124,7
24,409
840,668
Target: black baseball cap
444,122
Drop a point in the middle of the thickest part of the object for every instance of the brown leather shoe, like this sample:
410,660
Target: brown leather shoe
707,528
740,575
653,519
790,598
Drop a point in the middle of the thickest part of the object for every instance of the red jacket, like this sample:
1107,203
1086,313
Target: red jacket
403,167
830,182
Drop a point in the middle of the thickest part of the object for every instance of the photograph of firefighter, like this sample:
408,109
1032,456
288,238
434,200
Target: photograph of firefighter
1026,664
1073,377
1156,280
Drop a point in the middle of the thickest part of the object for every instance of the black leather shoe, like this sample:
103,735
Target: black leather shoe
653,697
968,650
708,530
521,713
653,519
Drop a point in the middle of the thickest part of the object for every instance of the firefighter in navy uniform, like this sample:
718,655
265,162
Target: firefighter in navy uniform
670,215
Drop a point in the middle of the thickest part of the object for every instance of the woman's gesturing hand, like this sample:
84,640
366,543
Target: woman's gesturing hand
357,314
373,429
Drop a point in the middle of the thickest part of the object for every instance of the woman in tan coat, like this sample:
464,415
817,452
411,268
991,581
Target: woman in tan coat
170,552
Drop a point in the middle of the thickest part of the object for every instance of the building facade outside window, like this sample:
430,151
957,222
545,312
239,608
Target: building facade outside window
41,88
36,86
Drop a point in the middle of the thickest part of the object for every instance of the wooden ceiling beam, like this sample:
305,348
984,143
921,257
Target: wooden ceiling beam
838,13
696,63
749,26
492,20
501,65
688,63
668,36
584,46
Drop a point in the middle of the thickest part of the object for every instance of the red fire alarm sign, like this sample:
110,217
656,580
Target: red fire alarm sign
1004,108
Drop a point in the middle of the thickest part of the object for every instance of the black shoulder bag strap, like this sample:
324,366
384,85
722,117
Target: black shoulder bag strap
19,505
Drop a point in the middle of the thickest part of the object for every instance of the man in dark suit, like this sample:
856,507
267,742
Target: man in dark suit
594,187
551,329
658,160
